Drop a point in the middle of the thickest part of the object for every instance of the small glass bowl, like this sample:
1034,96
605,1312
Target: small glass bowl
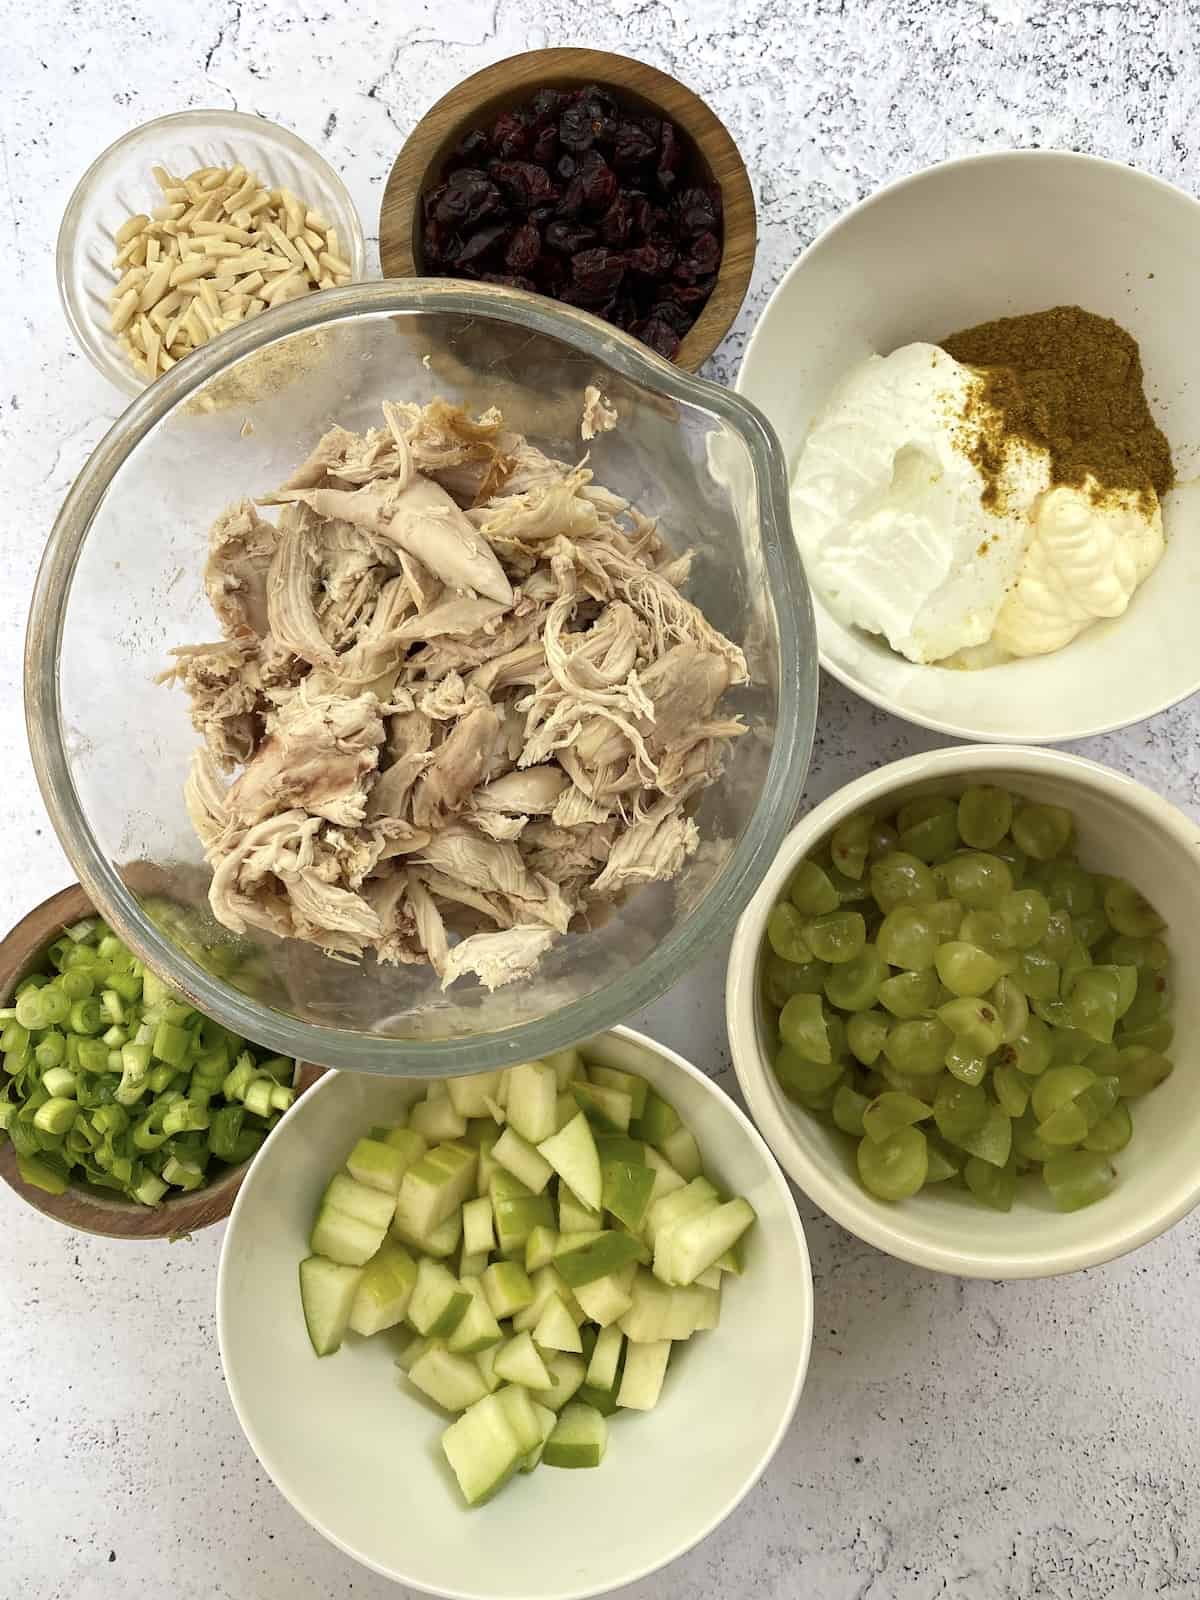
119,184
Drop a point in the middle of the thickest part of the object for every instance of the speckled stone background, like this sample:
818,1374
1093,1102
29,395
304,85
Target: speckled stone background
970,1440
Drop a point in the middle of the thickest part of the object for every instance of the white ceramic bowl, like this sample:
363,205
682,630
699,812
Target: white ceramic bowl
1123,829
357,1454
120,184
958,244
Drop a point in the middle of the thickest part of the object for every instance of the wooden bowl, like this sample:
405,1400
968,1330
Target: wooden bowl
81,1206
480,98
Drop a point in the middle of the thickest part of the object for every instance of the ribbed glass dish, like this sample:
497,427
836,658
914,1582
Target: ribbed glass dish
120,184
121,584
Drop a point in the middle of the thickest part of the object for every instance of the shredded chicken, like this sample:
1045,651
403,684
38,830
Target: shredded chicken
466,697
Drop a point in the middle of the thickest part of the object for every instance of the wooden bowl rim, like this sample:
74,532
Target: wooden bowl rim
445,119
79,1206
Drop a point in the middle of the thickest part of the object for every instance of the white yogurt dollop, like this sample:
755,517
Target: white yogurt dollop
888,510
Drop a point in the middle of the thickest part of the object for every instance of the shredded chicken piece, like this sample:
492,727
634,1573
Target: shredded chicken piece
465,695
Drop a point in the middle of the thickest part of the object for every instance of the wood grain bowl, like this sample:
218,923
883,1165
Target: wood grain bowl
81,1206
481,97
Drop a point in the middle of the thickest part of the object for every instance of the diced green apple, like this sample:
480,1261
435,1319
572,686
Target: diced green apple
517,1211
645,1369
567,1064
579,1438
378,1165
451,1381
358,1200
572,1154
478,1329
567,1373
532,1095
520,1361
439,1302
482,1449
518,1156
437,1120
608,1110
485,1360
603,1300
626,1191
327,1292
682,1151
441,1243
598,1257
546,1420
666,1179
693,1245
573,1215
344,1239
522,1418
546,1284
697,1196
646,1320
479,1236
469,1096
384,1291
435,1187
541,1248
606,1358
556,1329
508,1289
636,1088
658,1120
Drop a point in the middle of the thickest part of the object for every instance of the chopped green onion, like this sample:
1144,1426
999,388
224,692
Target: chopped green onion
55,1005
93,1055
24,1140
112,1006
183,1174
237,1081
15,1037
126,984
36,980
59,1081
59,951
8,1114
184,1116
224,1131
56,1116
115,1036
76,984
85,1016
29,1009
247,1144
161,1077
83,929
40,1174
257,1096
149,1134
50,1050
149,1190
172,1043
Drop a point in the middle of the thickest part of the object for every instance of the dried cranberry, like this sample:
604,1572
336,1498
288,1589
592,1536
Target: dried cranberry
512,135
670,153
575,128
703,257
479,243
625,311
550,271
524,183
655,332
633,147
640,210
467,196
695,212
548,103
566,167
616,224
545,145
593,188
436,240
569,236
694,294
543,214
473,147
597,273
673,314
660,225
524,248
651,260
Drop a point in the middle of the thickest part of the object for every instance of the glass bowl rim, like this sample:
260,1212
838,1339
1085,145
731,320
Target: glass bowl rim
791,743
67,241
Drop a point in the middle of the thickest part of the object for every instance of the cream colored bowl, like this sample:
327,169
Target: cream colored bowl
356,1453
958,244
1123,829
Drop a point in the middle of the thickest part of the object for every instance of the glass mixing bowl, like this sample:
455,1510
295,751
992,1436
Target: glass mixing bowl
121,584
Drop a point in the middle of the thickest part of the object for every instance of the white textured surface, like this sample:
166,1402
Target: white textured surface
972,1441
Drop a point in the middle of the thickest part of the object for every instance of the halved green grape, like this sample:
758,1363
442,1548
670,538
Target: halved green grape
800,1075
1068,887
1128,911
1033,1050
973,1022
1058,1087
1059,937
836,936
852,893
945,917
1026,917
785,934
849,844
1043,832
1078,960
1141,1070
811,892
1068,1046
1151,1000
1017,860
965,969
802,1026
920,1086
918,1047
1158,1035
964,1064
882,839
1112,1133
1098,1099
1126,951
895,1167
891,1110
977,879
1037,974
984,816
1066,1126
854,985
1028,1143
992,1142
906,938
1011,1008
1092,1003
943,1161
988,930
995,1186
866,1032
901,879
959,1109
1011,1090
782,979
909,994
1078,1178
1090,927
928,827
848,1107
